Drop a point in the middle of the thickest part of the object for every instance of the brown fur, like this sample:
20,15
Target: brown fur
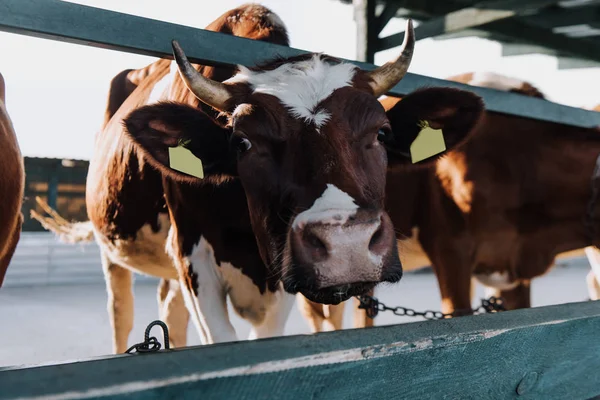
12,182
509,200
124,192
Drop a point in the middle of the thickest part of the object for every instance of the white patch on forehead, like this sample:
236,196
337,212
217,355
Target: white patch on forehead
334,207
301,86
160,91
242,109
497,280
495,81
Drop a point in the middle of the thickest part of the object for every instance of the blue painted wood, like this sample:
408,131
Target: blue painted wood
541,353
57,20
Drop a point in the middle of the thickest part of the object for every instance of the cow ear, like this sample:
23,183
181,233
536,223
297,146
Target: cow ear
430,114
181,141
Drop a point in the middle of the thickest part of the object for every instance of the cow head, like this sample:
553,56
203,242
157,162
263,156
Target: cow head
305,139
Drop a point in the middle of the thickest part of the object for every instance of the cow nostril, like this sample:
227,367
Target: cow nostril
375,242
313,241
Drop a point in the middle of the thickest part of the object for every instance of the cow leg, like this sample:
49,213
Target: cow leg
334,316
593,286
519,297
361,320
454,280
119,285
276,318
312,313
454,283
172,311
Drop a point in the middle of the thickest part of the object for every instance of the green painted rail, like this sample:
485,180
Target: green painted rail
541,353
73,23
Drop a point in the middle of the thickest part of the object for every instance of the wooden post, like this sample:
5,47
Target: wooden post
366,30
53,186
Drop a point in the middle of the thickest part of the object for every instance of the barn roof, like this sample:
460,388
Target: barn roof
568,29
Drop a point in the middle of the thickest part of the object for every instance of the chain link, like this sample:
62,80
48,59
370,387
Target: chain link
151,344
372,307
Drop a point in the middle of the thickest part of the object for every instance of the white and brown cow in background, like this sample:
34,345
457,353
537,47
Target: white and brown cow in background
12,183
293,191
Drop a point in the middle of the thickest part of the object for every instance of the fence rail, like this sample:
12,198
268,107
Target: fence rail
74,23
40,260
541,353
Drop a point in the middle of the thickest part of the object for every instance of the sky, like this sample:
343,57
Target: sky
56,92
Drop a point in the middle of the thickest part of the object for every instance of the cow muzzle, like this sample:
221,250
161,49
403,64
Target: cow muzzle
343,255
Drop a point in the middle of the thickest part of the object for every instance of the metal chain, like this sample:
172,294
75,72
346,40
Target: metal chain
590,229
151,344
372,306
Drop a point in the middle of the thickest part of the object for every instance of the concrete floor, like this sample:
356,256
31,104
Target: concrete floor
47,324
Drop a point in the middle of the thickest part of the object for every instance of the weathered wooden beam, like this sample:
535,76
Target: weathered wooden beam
389,11
541,353
74,23
513,49
478,14
575,63
366,30
581,48
558,16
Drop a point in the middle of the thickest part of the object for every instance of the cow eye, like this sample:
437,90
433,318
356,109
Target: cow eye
384,134
242,144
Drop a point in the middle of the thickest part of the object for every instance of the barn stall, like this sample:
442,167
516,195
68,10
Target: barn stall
546,352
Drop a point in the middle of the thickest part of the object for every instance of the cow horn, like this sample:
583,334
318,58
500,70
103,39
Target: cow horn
210,92
388,75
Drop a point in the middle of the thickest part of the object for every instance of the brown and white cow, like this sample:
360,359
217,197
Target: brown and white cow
125,195
293,192
304,143
12,183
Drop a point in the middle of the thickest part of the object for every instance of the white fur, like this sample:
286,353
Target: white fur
301,86
333,207
497,280
495,81
145,254
209,309
267,312
161,89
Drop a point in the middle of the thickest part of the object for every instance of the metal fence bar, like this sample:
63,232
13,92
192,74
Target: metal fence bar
73,23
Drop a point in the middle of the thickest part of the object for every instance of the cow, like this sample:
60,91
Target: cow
501,208
504,205
291,200
12,184
125,196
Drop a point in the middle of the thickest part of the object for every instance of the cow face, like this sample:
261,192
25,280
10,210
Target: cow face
305,139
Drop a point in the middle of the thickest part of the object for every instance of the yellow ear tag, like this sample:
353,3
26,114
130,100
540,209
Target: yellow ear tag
429,142
183,160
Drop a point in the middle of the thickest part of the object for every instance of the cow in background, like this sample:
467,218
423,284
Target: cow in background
124,194
12,184
505,204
